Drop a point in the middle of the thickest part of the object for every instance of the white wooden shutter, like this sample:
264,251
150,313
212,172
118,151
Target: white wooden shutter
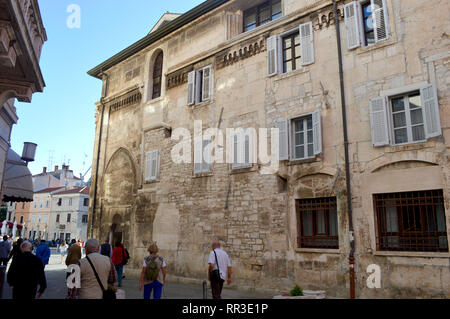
379,121
198,155
351,25
380,21
191,88
430,108
307,43
148,165
248,148
206,90
272,55
238,150
206,166
317,132
154,165
283,139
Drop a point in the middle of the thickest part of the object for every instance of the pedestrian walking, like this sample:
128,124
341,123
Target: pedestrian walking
15,251
219,269
153,274
26,273
73,254
118,258
5,248
97,272
43,252
63,250
106,249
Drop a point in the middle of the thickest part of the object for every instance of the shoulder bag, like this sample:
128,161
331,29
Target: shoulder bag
215,274
107,294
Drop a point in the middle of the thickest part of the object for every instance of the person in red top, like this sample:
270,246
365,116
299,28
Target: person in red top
118,257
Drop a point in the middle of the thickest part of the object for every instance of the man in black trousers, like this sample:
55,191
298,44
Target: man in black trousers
26,273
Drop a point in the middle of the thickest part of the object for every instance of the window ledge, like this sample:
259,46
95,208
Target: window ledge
420,145
282,76
411,254
200,105
379,45
303,161
201,175
242,170
318,251
152,181
153,101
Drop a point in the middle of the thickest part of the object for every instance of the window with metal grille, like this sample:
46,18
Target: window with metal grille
317,223
291,52
157,76
411,221
261,14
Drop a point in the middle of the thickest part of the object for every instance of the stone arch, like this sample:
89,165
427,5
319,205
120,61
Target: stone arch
119,183
314,185
429,158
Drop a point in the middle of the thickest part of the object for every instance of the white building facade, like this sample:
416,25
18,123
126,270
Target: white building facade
69,214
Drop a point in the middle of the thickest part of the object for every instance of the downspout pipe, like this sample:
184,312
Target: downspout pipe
347,160
94,201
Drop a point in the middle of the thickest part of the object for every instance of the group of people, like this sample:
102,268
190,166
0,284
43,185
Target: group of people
100,269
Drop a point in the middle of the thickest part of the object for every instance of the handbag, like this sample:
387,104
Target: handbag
108,293
215,274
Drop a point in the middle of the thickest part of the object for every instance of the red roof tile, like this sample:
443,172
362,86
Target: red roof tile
48,190
76,190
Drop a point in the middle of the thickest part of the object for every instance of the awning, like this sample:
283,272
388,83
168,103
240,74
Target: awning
18,181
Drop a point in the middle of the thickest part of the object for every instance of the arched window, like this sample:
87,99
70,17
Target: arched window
157,76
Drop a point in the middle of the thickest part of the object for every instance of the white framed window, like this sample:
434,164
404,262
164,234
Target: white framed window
300,137
202,159
409,117
200,85
70,201
291,50
243,151
152,165
366,23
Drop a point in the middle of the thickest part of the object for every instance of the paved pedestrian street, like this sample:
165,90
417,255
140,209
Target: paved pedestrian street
55,273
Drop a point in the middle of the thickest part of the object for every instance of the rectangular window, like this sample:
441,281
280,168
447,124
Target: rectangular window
317,223
57,218
68,217
261,14
291,52
23,205
302,137
202,163
86,202
59,202
46,204
243,148
366,22
152,166
21,219
407,119
67,237
84,219
411,221
70,201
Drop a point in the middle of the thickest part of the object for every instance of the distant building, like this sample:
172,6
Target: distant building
69,214
63,177
40,209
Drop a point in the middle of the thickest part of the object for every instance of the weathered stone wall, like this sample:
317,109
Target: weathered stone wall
184,212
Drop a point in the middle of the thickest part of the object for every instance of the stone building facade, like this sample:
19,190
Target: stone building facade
275,64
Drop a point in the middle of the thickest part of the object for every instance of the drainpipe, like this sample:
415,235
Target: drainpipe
347,162
94,201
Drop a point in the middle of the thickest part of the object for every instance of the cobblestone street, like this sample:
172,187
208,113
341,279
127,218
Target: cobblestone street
56,286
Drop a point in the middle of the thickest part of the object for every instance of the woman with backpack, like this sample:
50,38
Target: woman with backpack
153,275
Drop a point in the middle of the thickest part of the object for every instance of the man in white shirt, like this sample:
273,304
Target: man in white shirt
218,260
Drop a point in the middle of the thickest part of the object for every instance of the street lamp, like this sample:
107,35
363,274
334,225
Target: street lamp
29,150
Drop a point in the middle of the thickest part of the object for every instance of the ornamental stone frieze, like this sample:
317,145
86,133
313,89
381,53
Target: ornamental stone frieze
243,50
127,99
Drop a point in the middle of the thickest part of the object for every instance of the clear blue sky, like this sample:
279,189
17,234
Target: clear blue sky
61,119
